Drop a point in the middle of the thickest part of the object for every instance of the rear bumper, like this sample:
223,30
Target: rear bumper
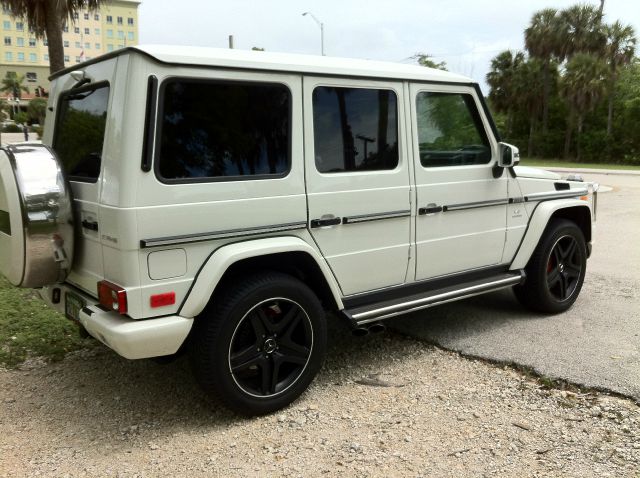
136,339
133,339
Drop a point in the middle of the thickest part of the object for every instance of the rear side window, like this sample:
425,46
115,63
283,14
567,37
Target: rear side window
450,131
79,133
355,129
223,130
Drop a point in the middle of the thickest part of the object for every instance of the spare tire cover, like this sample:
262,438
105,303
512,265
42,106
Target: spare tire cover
36,220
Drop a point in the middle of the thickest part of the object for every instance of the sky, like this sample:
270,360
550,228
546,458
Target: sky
466,34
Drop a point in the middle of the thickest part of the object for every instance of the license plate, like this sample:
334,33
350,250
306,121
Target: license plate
72,306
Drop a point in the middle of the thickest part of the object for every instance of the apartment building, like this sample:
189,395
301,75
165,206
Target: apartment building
86,36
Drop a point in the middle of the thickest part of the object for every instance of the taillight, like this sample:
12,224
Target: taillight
112,296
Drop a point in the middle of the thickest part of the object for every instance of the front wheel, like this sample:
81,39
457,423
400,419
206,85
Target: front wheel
261,344
556,270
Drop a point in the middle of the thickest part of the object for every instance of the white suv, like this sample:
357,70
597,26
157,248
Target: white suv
220,202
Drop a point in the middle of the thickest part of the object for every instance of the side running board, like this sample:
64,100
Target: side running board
386,309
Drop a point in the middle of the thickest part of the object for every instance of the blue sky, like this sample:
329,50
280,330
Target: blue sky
464,33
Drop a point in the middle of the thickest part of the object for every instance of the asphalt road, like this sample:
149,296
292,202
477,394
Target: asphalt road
596,343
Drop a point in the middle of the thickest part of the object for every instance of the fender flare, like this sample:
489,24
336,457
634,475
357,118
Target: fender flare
222,258
537,224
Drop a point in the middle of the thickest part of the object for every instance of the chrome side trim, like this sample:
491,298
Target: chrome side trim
210,236
423,303
556,195
474,205
375,217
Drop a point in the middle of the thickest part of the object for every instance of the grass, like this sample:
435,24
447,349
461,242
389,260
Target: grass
558,163
29,328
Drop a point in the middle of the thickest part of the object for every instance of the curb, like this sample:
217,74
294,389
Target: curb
606,172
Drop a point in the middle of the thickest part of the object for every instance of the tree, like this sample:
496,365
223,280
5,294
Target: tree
426,60
619,51
37,110
581,31
46,19
583,85
501,79
543,40
12,84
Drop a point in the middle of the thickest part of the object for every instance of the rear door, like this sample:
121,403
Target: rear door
461,221
78,140
357,179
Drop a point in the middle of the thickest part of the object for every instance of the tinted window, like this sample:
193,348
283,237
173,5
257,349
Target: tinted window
355,129
450,131
214,130
79,135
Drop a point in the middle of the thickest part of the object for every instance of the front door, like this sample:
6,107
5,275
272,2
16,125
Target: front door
357,177
461,220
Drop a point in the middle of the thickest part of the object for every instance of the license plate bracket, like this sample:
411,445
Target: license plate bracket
72,306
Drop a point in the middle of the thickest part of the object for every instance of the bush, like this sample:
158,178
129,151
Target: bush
38,130
12,128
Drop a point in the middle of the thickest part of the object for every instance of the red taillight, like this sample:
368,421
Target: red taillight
112,296
162,300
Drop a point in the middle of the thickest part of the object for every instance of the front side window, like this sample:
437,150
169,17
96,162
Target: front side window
212,130
355,129
79,133
450,130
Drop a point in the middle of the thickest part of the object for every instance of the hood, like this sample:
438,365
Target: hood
535,173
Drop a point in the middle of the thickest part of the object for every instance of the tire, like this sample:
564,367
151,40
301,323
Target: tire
556,270
260,343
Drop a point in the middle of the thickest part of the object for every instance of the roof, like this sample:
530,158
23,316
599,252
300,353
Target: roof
284,62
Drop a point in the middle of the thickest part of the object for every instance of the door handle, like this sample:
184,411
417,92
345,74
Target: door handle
91,225
331,221
430,209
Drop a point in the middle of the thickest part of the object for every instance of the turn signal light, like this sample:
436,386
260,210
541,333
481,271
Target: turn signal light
112,296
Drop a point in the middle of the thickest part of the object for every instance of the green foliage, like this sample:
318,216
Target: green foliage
29,328
21,117
12,128
577,90
426,60
38,130
12,84
37,110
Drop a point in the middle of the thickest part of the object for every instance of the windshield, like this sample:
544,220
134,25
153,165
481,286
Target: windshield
79,134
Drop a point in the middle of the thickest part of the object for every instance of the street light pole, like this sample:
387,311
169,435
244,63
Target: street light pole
321,25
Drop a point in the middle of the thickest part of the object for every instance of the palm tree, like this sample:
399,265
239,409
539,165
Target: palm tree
12,84
620,50
501,78
583,85
528,93
46,19
542,40
582,31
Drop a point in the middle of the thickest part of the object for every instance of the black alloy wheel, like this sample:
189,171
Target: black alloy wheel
556,270
270,347
259,343
564,268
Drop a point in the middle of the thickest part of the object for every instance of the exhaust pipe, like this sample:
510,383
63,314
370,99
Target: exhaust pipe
365,330
377,327
360,331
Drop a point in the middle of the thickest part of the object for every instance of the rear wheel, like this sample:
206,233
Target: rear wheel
261,343
556,270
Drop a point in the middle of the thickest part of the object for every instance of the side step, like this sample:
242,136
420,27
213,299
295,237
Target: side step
386,309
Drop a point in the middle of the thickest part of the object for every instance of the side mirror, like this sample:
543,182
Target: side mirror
509,155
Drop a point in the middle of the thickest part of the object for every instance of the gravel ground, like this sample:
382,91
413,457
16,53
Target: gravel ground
385,405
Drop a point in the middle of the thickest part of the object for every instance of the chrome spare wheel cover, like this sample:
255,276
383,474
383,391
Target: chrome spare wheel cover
36,220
